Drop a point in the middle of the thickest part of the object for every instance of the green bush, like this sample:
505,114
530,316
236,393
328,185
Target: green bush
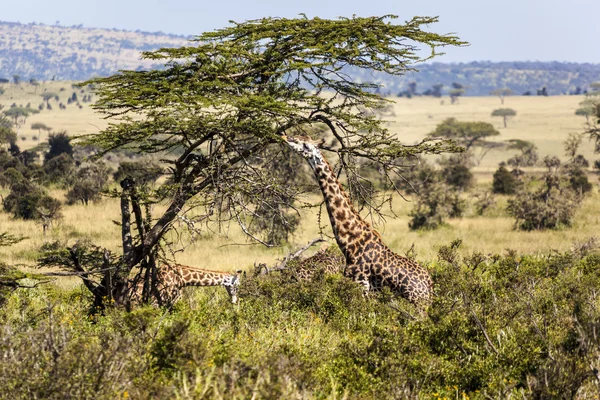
456,172
547,206
500,326
435,203
504,182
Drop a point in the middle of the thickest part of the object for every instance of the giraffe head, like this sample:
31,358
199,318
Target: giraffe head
307,150
231,284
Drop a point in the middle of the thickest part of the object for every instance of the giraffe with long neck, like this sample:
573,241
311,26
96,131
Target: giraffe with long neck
368,260
171,278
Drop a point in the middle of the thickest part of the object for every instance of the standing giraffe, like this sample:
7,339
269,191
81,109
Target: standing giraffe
369,261
172,278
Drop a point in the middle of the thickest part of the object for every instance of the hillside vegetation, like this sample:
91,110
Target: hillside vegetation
46,52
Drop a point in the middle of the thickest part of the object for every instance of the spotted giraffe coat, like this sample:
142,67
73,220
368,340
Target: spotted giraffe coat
369,261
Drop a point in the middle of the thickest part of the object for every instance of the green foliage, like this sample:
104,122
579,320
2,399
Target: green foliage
502,93
456,172
87,182
435,203
504,182
466,134
504,113
7,135
550,205
579,181
59,143
500,326
26,199
142,172
528,156
220,102
59,169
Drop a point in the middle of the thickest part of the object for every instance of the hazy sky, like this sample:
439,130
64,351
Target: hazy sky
508,30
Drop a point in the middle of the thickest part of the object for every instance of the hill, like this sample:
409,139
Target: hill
481,77
48,52
76,53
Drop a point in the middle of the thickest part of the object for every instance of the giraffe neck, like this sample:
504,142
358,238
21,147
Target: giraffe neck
348,226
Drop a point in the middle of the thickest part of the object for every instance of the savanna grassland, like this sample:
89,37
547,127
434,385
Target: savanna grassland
515,313
545,121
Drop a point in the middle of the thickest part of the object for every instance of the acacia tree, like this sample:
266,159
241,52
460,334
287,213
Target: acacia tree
469,134
502,93
504,113
223,102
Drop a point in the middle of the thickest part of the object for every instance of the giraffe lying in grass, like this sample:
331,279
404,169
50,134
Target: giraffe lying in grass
172,278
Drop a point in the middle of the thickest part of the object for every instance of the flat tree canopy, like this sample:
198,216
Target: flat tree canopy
218,108
466,133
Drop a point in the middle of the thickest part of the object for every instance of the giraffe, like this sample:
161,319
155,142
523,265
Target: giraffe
172,278
327,260
369,261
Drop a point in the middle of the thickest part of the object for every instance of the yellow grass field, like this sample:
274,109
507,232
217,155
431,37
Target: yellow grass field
546,121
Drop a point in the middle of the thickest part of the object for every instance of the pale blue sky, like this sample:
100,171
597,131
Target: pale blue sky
508,30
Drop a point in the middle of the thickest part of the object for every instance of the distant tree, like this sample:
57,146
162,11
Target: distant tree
502,93
594,89
19,115
58,169
47,96
456,172
87,183
35,84
542,92
435,91
505,113
458,89
16,79
40,127
504,182
412,88
58,143
466,134
7,135
585,111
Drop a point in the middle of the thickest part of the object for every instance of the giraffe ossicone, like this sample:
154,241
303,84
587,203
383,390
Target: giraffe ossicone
369,261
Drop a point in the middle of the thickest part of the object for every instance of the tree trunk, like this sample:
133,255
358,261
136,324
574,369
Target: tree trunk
505,121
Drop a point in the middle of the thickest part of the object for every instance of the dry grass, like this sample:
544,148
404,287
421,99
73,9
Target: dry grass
546,121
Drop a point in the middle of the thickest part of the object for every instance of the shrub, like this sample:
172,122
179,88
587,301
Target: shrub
87,183
504,182
456,172
59,143
435,203
551,205
578,180
500,326
58,169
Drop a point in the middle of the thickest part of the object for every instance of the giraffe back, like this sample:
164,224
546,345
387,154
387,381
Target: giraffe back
328,261
171,278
